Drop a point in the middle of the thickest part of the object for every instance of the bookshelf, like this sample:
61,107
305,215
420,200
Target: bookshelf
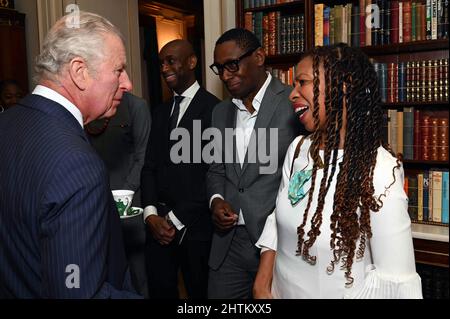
405,38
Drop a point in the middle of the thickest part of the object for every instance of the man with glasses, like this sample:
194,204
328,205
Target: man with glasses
241,194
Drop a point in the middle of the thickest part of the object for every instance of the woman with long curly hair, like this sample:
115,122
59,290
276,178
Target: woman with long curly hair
341,227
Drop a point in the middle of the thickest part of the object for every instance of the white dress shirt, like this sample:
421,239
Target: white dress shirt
245,123
58,98
188,97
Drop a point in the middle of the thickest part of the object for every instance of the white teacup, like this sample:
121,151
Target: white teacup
123,199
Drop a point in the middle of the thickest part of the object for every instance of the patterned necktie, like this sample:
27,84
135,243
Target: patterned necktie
176,112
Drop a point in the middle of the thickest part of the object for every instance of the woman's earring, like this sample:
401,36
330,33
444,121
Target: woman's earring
2,109
367,91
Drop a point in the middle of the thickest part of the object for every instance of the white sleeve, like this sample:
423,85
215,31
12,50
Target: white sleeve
393,273
268,239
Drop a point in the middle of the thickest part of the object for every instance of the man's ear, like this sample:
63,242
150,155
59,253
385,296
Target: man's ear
192,62
260,56
79,73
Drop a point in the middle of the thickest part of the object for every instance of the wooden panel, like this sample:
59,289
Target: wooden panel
431,252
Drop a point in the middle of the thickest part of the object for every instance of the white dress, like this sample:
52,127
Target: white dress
393,274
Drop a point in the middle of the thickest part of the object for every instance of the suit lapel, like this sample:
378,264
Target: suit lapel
230,122
266,111
194,109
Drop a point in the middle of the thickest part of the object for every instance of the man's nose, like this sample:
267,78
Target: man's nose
126,82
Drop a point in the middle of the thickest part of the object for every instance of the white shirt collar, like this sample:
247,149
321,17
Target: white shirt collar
58,98
257,100
190,92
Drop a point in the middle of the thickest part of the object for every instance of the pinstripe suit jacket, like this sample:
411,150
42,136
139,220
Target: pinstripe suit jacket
60,234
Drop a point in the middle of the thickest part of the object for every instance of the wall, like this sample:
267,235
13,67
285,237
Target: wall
32,38
42,14
215,25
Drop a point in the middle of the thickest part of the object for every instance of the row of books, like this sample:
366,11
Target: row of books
250,4
278,34
428,196
380,22
418,135
285,76
413,81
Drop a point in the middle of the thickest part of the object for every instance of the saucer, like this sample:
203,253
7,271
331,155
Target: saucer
136,211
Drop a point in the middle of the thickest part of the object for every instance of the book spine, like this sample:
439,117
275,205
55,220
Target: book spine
401,82
265,33
326,25
434,130
443,139
408,133
393,130
420,197
417,136
318,24
383,81
423,80
440,19
426,183
406,21
381,36
400,132
394,21
413,21
400,22
445,198
445,20
412,195
418,22
437,196
272,16
387,23
426,137
434,19
362,23
428,19
278,36
332,26
248,21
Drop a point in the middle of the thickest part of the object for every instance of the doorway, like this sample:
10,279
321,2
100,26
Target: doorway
159,23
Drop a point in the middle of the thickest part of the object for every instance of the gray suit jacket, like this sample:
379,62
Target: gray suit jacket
122,145
251,188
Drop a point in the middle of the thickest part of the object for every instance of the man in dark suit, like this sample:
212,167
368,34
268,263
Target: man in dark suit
59,228
242,193
121,142
174,194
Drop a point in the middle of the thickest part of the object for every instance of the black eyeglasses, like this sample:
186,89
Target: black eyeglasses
230,66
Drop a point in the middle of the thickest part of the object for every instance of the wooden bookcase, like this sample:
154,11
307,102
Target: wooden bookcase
430,241
13,55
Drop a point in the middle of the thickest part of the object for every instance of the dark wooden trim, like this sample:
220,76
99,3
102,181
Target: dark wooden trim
407,47
431,252
283,6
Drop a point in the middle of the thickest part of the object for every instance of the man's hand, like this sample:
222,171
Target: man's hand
160,229
223,216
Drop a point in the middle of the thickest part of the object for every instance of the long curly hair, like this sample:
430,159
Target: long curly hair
350,77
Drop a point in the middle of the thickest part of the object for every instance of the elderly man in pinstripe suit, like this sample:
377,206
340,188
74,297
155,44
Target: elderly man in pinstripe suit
60,233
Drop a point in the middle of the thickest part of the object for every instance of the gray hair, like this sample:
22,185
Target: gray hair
79,34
